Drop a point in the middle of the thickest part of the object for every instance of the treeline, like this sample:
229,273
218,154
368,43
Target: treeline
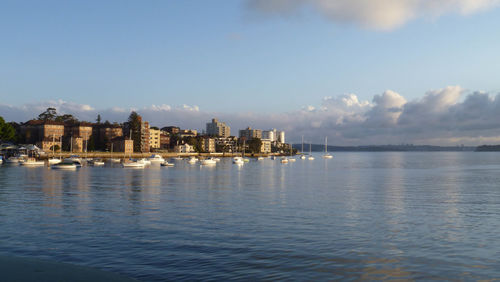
386,148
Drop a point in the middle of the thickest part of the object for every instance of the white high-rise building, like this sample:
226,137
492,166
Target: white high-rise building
219,129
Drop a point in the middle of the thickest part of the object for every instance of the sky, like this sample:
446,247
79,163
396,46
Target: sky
358,71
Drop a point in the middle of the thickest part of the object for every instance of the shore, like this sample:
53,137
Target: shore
29,269
119,155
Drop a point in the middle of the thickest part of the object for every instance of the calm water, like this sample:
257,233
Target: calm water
357,216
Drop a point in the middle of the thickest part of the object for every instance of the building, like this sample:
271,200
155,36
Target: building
145,134
188,133
44,134
123,145
184,148
265,147
77,135
249,133
108,132
154,138
209,145
226,145
219,129
164,141
280,137
171,129
269,135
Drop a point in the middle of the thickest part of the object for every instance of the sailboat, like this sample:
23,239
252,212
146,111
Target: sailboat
291,154
302,157
326,155
113,160
54,160
310,153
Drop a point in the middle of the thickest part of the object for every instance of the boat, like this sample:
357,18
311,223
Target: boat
291,160
1,159
302,157
75,161
238,160
178,158
260,158
13,160
96,162
66,164
156,159
53,161
192,160
209,161
134,164
326,155
32,162
216,159
115,160
144,161
310,153
284,160
165,163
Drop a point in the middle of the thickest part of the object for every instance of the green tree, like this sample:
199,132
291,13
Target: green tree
98,119
49,114
254,145
67,118
7,131
134,124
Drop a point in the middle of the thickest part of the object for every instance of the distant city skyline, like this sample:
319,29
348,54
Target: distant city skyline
359,72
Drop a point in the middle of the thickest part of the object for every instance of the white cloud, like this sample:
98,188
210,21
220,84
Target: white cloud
447,116
373,14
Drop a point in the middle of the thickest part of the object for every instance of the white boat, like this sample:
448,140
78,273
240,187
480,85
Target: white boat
66,164
238,160
326,155
32,162
246,160
54,161
165,163
284,160
216,159
13,160
115,160
291,160
178,158
303,157
133,164
192,160
260,158
75,159
96,162
208,161
144,161
156,159
310,153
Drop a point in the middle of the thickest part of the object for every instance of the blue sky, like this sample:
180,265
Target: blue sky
230,57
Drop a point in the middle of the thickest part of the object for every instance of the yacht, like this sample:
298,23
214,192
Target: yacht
66,164
326,155
53,161
133,164
192,160
32,162
310,153
156,159
165,163
238,160
208,161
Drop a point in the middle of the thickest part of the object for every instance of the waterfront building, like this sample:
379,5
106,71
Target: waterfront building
269,135
77,135
164,141
44,134
145,134
184,148
154,138
171,129
249,133
209,145
217,128
124,145
266,146
108,132
188,133
226,145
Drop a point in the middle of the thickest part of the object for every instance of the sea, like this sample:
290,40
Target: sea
357,216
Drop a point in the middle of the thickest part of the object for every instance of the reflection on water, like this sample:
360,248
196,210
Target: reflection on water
357,216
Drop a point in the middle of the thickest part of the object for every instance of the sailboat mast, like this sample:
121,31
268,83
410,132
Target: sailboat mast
302,150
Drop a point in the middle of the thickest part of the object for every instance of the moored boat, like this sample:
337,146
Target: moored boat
32,162
66,164
208,161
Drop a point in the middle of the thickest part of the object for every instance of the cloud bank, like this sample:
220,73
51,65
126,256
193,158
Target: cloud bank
372,14
448,116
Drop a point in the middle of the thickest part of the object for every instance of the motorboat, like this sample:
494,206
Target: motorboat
238,160
246,160
165,163
75,161
192,160
310,158
96,162
66,164
178,158
284,160
156,159
303,157
216,159
133,164
208,161
115,160
54,161
292,160
13,160
260,158
32,162
144,161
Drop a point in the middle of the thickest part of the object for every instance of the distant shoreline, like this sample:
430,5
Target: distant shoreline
387,148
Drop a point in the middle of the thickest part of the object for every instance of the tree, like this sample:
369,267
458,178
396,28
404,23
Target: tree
98,119
49,114
254,145
67,118
7,131
134,124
